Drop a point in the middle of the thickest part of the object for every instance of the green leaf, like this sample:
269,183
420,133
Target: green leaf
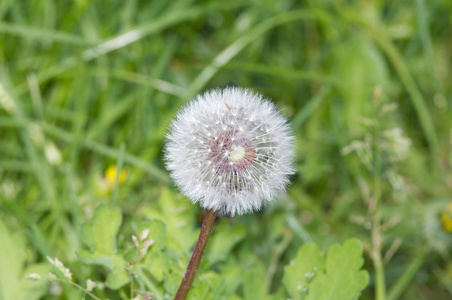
34,290
117,278
232,275
223,239
12,259
157,263
100,236
157,233
207,286
308,260
343,278
100,233
156,260
235,297
339,276
254,283
179,217
173,280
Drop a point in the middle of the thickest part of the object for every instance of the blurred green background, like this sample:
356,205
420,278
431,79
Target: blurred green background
88,89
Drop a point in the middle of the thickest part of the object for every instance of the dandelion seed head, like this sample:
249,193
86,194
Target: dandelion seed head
230,151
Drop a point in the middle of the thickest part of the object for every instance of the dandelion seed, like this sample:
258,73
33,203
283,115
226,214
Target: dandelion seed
241,162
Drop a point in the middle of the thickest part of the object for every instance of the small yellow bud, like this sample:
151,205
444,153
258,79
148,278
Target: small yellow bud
111,173
446,218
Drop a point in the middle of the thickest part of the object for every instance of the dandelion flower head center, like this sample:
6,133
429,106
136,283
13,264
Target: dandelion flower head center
230,152
237,153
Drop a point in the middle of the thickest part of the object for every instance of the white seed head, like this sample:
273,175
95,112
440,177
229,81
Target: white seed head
230,151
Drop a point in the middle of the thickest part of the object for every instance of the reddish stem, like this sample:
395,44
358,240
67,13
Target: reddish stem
196,257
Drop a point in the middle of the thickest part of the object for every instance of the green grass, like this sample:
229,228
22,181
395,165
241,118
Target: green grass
100,83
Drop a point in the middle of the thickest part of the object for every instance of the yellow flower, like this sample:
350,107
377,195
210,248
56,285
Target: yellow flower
104,184
446,218
110,176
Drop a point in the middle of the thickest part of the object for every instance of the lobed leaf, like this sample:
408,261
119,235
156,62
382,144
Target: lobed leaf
296,274
100,236
338,276
343,278
223,239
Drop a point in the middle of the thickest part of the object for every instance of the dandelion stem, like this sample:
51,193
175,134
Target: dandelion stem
196,257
